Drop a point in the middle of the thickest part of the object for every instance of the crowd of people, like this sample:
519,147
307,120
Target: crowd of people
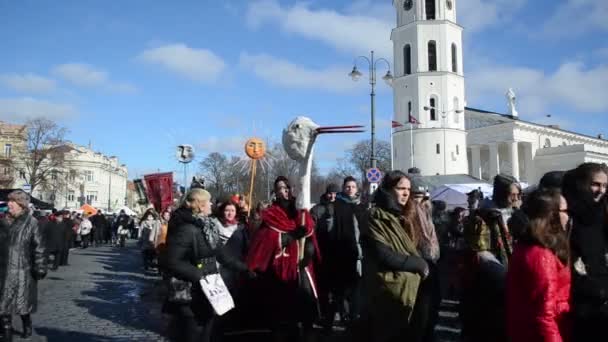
523,264
31,244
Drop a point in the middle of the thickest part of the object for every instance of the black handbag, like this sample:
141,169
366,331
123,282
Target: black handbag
180,291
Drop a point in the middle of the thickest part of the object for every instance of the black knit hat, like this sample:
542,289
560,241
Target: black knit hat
331,187
552,179
417,186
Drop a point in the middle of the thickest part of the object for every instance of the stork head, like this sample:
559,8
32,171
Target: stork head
300,135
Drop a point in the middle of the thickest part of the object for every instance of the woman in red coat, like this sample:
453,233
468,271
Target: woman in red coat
538,280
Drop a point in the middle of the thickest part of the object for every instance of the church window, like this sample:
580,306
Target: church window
432,110
457,150
71,196
438,148
409,110
454,58
407,59
432,54
456,107
430,9
547,143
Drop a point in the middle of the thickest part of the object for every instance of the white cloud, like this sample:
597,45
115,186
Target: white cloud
86,75
366,25
353,33
283,73
81,74
28,83
576,17
22,109
196,64
477,15
573,85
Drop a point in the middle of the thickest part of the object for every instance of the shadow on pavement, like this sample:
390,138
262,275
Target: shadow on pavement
123,294
56,335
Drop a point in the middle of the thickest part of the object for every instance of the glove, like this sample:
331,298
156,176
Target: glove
417,265
298,233
38,274
251,275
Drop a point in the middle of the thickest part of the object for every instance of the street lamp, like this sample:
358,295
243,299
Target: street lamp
444,115
355,74
110,169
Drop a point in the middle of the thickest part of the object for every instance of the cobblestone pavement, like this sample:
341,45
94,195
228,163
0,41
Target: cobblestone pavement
102,296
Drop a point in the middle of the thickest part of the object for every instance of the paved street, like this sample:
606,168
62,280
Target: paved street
102,296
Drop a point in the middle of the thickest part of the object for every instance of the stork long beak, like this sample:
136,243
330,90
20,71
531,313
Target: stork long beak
340,129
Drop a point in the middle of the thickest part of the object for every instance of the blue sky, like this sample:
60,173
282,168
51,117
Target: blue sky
136,78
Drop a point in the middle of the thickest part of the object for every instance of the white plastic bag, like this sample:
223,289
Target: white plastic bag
217,293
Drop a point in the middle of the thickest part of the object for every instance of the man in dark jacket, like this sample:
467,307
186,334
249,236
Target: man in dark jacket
99,227
323,214
68,237
55,239
344,254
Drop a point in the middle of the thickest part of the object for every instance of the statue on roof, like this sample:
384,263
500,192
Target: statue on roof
511,100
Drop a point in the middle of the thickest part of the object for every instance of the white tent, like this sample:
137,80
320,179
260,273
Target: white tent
127,210
455,195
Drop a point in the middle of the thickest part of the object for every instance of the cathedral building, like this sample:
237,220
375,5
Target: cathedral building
444,136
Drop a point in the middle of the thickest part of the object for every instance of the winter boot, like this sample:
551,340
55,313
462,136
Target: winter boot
6,329
27,326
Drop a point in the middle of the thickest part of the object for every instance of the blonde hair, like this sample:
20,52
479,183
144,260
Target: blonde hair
194,197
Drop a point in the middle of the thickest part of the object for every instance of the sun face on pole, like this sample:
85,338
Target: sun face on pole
255,148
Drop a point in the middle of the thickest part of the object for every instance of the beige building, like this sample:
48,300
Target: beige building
13,142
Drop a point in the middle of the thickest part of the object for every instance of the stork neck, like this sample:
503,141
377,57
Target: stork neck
305,168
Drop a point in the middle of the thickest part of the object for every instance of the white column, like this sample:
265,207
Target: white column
514,155
528,163
494,161
476,161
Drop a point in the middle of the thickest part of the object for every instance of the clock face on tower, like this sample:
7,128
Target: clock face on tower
407,5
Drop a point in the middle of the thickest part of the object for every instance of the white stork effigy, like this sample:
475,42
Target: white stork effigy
298,141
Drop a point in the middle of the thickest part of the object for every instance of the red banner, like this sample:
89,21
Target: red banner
160,190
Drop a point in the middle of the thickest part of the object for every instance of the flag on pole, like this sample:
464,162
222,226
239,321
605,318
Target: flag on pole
413,120
396,124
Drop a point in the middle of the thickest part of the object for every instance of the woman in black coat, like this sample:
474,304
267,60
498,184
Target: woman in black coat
192,253
22,264
585,191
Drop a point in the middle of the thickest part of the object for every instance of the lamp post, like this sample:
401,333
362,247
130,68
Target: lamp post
355,74
444,115
110,169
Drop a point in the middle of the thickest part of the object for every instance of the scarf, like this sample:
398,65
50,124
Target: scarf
265,252
393,293
351,200
225,229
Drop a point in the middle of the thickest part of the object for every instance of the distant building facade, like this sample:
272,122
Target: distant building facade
86,176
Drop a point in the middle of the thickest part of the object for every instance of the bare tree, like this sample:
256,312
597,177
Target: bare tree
360,154
45,152
215,169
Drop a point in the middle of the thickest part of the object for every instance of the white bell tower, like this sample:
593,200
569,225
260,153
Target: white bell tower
429,87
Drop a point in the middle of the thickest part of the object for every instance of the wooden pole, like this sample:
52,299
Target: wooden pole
253,170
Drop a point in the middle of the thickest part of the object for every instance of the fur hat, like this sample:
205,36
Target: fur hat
20,197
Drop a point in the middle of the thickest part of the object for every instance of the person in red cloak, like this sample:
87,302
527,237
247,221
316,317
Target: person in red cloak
283,252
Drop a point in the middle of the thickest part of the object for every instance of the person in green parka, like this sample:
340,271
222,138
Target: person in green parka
393,267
